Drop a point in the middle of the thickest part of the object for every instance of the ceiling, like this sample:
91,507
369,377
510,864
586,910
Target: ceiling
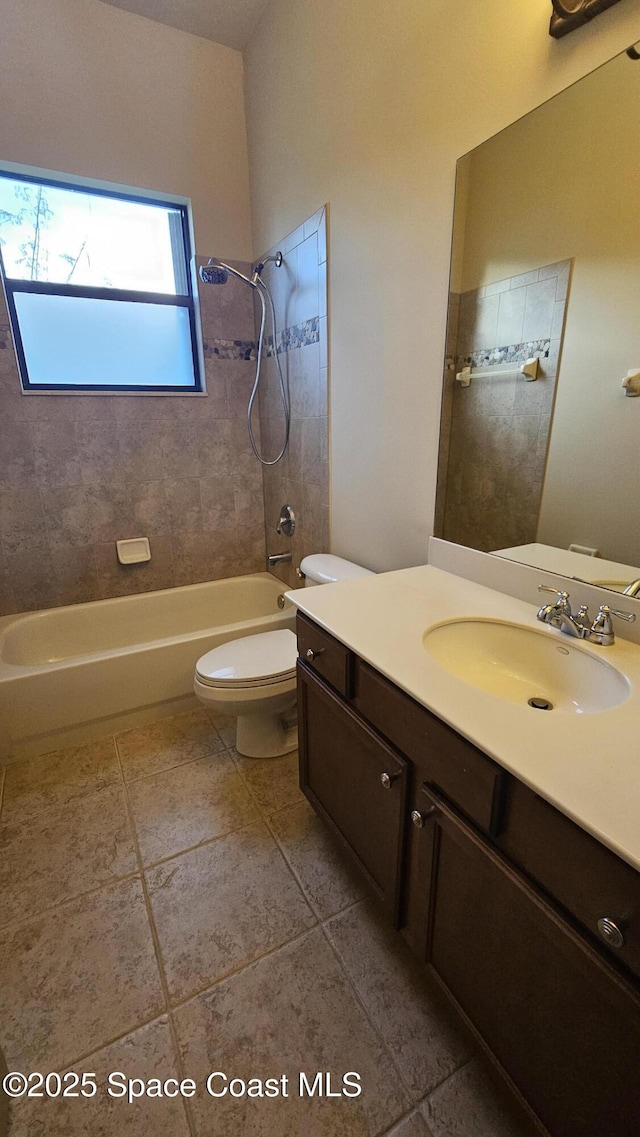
230,22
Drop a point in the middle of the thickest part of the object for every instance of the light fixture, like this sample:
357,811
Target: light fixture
570,14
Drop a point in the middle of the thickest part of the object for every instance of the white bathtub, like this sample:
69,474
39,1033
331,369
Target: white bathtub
79,671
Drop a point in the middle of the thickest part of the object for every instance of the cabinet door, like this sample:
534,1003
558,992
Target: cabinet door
562,1024
356,782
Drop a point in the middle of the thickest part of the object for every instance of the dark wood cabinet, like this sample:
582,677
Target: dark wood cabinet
498,893
563,1026
357,783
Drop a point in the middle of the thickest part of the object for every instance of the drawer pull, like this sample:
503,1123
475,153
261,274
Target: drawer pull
388,780
610,932
311,654
419,818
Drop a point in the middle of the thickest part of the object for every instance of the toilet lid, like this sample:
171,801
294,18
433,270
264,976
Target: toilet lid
266,658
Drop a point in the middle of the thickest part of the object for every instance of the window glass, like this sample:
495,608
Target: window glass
98,288
67,236
96,343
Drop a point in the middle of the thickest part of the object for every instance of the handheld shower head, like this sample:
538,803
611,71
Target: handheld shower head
217,272
212,273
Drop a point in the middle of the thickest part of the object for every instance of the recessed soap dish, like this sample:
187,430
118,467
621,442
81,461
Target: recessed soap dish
133,551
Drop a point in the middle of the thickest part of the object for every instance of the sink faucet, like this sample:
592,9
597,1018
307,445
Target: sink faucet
559,615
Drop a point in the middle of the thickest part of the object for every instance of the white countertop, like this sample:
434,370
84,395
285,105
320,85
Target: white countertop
587,765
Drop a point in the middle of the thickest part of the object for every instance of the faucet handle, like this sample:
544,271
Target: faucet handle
628,616
562,597
602,627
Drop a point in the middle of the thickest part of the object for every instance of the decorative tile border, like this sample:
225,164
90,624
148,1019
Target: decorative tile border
515,353
229,349
298,335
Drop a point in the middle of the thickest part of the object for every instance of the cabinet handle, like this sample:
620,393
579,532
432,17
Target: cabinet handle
419,818
611,933
311,654
388,780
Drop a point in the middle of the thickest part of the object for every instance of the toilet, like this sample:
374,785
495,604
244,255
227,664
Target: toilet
254,678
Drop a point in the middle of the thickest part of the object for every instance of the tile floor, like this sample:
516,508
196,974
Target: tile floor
168,907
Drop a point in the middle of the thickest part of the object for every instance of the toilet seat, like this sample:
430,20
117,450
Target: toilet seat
258,661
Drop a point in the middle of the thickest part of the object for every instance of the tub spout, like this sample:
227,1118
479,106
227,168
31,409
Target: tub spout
277,559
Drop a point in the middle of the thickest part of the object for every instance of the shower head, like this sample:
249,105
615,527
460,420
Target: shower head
212,273
217,272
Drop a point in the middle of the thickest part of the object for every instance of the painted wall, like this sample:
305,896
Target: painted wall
89,89
368,105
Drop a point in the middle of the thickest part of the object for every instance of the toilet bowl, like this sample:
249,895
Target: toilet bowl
254,678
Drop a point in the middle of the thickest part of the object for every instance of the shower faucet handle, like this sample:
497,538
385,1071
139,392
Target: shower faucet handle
287,521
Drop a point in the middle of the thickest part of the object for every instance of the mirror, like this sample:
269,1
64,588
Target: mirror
546,266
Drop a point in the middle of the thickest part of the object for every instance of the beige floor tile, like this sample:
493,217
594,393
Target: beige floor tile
58,777
292,1011
272,781
64,852
472,1103
327,879
413,1126
189,804
167,743
222,905
147,1053
75,978
420,1030
225,726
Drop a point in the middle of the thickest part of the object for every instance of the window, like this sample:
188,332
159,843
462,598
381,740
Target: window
99,288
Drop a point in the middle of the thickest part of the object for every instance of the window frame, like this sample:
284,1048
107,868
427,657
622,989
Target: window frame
188,300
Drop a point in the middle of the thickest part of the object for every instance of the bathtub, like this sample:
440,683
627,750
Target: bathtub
72,673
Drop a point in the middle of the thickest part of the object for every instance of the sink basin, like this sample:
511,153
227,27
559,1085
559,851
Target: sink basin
524,665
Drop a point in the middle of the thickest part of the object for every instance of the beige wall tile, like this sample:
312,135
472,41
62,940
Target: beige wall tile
32,580
22,525
115,579
55,452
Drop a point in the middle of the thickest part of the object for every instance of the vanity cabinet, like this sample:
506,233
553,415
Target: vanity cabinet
498,893
357,783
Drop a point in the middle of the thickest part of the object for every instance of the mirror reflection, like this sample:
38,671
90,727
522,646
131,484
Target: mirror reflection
543,467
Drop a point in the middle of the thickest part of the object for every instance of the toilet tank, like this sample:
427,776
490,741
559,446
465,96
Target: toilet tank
324,568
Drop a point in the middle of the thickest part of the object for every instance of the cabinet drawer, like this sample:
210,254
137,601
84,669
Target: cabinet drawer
445,760
327,657
584,876
357,783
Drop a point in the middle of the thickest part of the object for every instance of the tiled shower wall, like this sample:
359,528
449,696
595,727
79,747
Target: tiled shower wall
78,472
301,479
495,433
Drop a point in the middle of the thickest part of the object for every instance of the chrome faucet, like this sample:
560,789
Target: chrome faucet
632,589
578,625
